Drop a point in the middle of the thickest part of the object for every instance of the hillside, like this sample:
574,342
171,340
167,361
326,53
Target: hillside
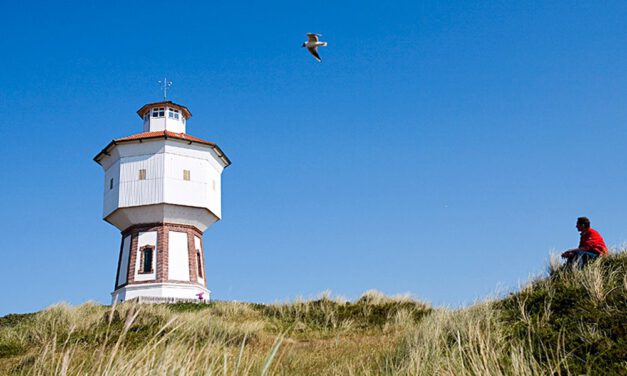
566,323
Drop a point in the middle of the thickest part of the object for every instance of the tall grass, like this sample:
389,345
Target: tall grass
135,340
571,322
220,339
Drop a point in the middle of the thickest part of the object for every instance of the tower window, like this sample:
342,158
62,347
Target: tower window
173,113
110,183
145,263
186,175
199,262
158,112
142,174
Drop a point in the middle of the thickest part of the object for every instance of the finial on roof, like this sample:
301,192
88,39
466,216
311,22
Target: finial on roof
165,84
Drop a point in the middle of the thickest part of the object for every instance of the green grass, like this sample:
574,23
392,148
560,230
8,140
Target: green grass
585,310
570,322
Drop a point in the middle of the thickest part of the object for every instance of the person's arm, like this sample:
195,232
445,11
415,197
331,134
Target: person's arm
584,245
569,253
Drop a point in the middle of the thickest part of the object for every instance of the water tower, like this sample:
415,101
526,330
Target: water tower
162,191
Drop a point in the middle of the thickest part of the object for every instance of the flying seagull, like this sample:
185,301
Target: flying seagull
313,43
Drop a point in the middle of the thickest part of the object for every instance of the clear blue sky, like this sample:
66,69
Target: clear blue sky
440,148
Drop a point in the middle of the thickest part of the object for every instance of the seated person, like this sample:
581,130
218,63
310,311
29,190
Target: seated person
591,245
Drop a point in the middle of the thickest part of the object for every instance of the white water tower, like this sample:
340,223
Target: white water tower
162,191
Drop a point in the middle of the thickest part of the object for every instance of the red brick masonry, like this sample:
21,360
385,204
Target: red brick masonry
162,261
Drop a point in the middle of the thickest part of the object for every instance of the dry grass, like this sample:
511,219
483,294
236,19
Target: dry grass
225,338
136,340
468,342
570,323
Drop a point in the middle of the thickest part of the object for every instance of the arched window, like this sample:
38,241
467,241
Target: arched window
146,255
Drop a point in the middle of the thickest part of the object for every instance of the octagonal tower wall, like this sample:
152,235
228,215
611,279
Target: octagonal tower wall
162,171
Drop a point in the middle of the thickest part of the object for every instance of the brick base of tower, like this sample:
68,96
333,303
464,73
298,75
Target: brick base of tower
161,262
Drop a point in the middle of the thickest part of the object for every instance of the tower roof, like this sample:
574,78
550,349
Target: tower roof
183,109
163,135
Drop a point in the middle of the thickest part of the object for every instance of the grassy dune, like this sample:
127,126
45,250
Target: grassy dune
566,323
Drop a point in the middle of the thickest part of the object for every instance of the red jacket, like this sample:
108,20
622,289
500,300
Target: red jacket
592,240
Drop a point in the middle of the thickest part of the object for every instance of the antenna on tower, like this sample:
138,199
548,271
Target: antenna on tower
165,84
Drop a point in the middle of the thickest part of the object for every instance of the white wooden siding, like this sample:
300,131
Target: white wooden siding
135,192
134,149
165,123
203,152
215,194
111,196
198,191
164,162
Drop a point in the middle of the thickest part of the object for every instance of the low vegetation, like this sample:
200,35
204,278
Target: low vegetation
570,322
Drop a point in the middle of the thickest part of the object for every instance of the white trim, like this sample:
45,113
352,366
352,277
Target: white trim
148,238
160,290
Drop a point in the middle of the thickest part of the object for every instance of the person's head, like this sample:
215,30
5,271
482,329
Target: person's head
583,223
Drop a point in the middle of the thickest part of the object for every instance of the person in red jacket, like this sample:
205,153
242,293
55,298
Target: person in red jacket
591,245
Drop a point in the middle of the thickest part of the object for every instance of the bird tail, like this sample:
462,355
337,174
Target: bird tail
324,44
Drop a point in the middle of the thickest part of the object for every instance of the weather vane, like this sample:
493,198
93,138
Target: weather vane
165,84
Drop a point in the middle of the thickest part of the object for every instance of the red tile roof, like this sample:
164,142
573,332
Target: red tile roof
164,135
145,107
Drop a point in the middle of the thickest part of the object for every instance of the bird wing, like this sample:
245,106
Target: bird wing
314,52
313,37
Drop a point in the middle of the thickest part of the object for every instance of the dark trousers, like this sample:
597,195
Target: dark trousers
581,258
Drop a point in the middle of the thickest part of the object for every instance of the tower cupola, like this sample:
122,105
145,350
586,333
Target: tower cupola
164,116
